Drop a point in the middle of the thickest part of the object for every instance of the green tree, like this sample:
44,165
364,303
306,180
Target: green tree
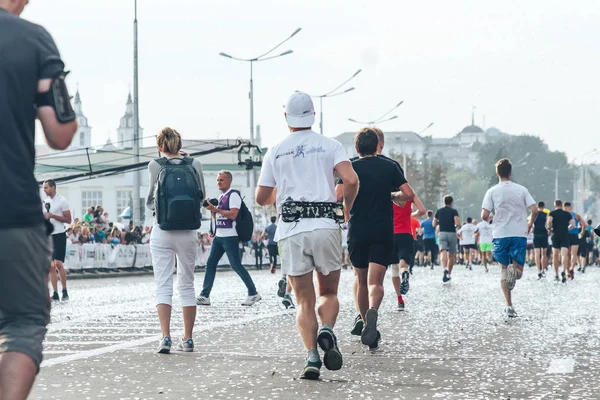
468,190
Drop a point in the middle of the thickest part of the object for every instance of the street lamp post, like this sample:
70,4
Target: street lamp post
262,57
334,93
136,212
556,171
379,120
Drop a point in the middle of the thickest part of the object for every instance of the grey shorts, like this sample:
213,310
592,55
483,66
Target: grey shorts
304,252
448,241
24,301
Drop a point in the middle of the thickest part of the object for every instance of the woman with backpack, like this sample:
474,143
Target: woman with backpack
176,191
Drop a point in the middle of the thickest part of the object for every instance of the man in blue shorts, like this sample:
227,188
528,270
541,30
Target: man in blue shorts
510,202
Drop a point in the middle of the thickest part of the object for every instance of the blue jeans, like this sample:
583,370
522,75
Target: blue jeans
510,249
229,246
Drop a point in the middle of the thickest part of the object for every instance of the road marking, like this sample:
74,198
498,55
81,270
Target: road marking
149,339
561,366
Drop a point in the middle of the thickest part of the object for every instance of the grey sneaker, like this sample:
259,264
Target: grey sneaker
164,346
251,300
405,285
186,345
511,313
369,333
511,277
202,301
288,302
282,285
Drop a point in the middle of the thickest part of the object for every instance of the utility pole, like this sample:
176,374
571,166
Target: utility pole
135,215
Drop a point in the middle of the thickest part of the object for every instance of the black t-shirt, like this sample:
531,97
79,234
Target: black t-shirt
339,180
445,217
560,222
27,54
539,227
372,217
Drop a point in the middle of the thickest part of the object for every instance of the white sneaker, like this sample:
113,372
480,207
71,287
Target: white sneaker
511,313
202,301
251,300
186,345
164,346
511,277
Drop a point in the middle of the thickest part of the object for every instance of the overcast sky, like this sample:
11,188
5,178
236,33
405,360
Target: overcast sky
528,66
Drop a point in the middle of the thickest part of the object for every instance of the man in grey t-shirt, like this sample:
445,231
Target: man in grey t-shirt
31,72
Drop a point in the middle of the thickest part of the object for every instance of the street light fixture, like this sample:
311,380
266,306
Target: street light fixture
428,126
379,120
333,93
262,57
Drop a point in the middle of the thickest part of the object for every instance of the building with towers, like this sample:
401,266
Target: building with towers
125,129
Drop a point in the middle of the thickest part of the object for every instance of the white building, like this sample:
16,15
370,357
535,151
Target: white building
114,192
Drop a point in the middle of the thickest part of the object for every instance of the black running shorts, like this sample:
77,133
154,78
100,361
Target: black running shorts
540,241
430,246
574,240
59,246
560,241
363,253
404,245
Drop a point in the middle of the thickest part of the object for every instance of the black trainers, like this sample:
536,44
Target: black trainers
312,370
368,336
55,296
540,276
405,285
65,295
564,277
445,278
282,286
358,326
328,343
375,345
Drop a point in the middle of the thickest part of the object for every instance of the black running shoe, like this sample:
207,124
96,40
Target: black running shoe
368,336
282,286
564,277
65,295
445,278
55,297
405,285
328,343
312,370
579,269
540,276
358,326
583,270
375,345
572,274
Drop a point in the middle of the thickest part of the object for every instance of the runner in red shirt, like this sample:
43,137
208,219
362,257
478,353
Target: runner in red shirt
416,230
404,244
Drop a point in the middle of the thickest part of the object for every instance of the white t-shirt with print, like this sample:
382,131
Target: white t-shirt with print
235,201
485,232
302,166
510,202
468,234
58,204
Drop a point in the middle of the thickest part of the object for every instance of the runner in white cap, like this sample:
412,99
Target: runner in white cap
297,176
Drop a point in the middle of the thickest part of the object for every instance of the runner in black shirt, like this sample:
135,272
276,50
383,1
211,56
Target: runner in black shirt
560,221
31,72
447,219
540,240
371,229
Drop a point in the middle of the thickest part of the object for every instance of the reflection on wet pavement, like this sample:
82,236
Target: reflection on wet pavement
452,342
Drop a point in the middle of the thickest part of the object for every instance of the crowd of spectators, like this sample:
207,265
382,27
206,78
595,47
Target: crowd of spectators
95,227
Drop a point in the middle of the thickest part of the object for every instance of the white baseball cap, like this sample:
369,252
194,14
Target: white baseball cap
300,111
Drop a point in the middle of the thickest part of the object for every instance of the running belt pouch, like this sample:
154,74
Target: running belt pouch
178,196
293,211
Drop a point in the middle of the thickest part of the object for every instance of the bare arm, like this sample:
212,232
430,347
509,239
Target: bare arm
457,220
339,192
266,195
404,194
65,218
485,214
434,223
421,210
58,135
350,179
229,214
532,217
571,223
581,221
549,223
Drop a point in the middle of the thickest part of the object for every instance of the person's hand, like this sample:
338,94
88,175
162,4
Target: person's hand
210,207
529,226
47,215
183,153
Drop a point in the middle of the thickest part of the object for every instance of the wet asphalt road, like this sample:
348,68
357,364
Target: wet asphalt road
452,342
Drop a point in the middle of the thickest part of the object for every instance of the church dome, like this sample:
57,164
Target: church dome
472,129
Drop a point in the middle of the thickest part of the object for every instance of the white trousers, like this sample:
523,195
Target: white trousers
166,246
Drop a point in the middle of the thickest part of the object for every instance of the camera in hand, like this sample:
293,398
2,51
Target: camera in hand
214,202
